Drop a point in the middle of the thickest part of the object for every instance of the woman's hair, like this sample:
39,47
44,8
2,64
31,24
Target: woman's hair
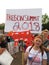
39,36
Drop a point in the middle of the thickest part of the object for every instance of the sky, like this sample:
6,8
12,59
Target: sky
22,4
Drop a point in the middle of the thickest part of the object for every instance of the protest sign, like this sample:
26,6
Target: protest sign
19,20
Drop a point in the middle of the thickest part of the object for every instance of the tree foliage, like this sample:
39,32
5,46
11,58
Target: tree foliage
45,21
2,26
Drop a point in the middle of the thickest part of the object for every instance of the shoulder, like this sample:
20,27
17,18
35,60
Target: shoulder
27,50
44,55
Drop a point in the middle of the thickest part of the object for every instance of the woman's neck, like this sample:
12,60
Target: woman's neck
36,48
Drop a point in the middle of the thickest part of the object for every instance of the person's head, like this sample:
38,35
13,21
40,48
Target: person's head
45,33
38,41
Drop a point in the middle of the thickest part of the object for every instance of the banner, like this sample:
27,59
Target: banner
19,20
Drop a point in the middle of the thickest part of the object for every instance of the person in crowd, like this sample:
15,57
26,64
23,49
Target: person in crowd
21,45
2,46
4,42
46,43
4,53
35,55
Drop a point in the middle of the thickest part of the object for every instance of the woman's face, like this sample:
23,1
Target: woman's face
46,34
37,42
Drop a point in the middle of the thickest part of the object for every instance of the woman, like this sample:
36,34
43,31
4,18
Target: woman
46,43
35,55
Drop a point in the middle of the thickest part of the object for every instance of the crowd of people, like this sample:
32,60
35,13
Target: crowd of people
37,54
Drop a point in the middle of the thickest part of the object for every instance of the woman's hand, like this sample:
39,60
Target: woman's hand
2,50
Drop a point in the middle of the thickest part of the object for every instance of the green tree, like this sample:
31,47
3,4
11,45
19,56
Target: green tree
2,26
45,21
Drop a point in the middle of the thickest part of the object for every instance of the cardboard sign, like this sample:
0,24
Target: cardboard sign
6,58
19,20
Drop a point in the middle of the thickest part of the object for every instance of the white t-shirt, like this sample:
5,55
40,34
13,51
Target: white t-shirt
37,59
